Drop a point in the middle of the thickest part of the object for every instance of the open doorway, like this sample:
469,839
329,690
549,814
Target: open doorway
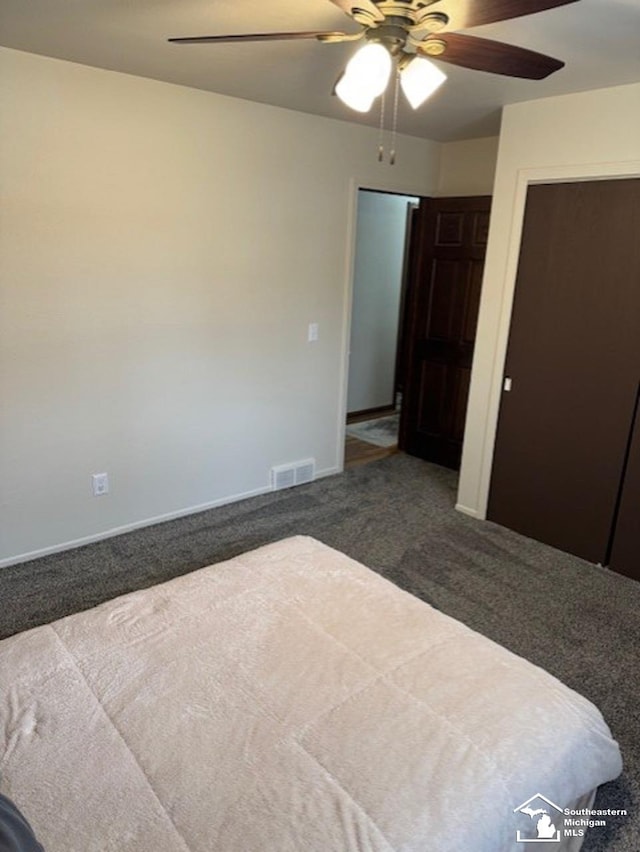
377,361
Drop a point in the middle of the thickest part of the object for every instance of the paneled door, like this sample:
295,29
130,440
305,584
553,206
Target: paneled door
572,367
443,299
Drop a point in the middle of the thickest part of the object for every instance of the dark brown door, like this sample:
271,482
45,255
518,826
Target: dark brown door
625,540
574,362
404,317
443,298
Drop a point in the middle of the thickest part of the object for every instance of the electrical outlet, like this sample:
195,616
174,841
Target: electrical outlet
100,483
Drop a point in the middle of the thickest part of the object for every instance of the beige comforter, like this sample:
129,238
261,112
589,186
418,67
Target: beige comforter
288,700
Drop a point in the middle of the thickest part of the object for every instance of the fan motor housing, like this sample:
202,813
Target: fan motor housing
402,18
393,35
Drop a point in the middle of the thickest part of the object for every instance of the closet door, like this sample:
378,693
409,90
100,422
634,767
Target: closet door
574,362
625,553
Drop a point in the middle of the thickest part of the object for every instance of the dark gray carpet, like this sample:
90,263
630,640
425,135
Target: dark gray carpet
580,622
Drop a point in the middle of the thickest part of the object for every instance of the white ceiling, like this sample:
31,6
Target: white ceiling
599,40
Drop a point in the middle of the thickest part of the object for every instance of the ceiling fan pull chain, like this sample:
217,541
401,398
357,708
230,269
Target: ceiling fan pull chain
394,127
381,135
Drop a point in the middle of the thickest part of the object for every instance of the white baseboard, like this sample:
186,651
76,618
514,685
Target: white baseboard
466,510
147,522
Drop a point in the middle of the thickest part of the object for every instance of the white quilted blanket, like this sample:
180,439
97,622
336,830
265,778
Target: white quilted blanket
288,700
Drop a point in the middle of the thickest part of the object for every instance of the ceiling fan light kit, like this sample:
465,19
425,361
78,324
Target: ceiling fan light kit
410,30
419,79
365,77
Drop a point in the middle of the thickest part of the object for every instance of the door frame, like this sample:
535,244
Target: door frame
486,391
355,185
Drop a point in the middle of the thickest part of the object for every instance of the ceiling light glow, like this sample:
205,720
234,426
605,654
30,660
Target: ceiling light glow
419,80
366,76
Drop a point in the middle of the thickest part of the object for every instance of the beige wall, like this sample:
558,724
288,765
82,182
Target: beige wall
162,251
377,283
575,137
468,167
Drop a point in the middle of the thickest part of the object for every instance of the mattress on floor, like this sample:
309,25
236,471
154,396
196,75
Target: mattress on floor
288,699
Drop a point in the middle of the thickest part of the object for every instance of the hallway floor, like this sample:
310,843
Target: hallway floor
360,452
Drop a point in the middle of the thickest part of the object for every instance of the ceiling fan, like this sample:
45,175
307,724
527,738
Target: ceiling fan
409,31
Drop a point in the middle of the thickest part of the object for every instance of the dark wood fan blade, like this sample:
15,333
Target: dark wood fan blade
464,14
496,57
352,7
255,37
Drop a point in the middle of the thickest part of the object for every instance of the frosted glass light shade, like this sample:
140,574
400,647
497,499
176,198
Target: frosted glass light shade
419,79
354,95
365,77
